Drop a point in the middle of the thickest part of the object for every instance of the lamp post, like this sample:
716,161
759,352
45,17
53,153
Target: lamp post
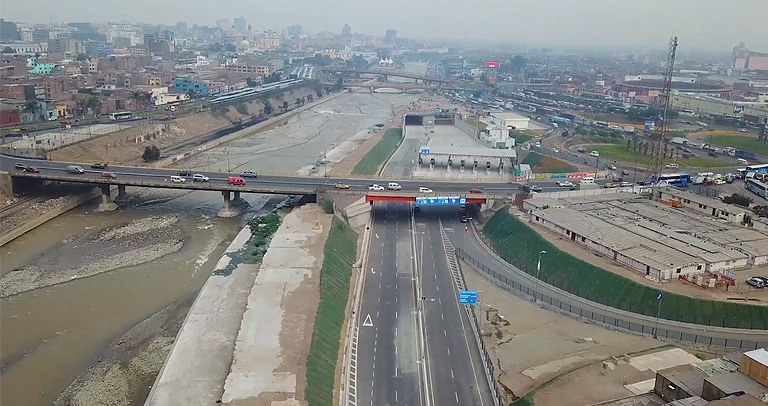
658,313
536,282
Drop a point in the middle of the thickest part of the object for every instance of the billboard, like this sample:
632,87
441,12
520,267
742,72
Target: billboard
492,64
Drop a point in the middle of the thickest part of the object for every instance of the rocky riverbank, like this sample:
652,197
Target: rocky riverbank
131,244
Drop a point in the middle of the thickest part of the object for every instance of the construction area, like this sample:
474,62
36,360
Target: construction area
661,240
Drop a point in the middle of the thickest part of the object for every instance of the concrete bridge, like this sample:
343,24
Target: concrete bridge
387,73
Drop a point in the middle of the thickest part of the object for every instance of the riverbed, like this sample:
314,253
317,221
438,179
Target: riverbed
51,335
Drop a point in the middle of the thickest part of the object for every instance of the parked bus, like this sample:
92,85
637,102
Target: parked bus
763,168
673,179
121,115
757,187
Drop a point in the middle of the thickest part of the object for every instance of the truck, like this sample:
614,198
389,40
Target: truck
629,129
560,120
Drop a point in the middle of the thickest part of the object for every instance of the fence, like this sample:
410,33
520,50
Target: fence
614,321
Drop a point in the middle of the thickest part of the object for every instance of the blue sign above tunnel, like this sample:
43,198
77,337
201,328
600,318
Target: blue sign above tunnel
440,201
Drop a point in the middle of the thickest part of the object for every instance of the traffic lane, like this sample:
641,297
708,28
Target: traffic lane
470,382
469,243
440,368
369,359
406,382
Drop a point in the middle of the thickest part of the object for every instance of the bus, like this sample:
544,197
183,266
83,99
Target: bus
121,115
758,188
763,168
673,179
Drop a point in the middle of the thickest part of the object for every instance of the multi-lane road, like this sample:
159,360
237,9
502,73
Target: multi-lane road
414,343
146,176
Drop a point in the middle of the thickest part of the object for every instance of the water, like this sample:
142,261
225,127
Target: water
49,336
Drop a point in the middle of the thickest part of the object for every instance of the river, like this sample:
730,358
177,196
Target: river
51,335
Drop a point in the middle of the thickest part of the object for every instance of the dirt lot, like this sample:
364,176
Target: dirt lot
740,291
532,345
121,146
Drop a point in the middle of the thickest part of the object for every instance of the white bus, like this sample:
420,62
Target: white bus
758,188
121,115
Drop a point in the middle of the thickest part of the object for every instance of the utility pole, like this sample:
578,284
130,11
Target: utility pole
667,98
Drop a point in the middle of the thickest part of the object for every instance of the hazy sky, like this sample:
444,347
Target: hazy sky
701,24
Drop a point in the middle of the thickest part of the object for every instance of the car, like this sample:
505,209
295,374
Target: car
610,185
475,190
641,183
463,219
31,169
625,184
235,181
108,175
612,167
178,179
425,190
756,282
394,186
19,166
99,165
185,172
535,188
625,172
720,182
341,186
462,208
555,150
743,130
565,183
594,154
199,177
248,174
375,187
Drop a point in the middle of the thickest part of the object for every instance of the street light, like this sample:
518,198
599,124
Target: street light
536,282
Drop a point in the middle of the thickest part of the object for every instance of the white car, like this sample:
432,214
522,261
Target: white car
594,154
425,190
612,167
200,178
719,181
376,188
564,183
625,184
743,130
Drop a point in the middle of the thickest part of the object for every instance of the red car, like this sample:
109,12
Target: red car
476,190
108,175
31,169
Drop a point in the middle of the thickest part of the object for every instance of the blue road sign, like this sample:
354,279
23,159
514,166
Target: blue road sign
468,297
440,201
425,150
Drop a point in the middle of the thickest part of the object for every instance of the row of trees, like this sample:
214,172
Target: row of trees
651,148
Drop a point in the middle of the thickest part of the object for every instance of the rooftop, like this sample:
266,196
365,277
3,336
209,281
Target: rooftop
760,355
473,152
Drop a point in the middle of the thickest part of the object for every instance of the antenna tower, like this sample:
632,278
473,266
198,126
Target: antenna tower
666,99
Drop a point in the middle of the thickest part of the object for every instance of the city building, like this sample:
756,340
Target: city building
508,120
9,31
30,48
241,25
703,104
744,60
186,85
390,37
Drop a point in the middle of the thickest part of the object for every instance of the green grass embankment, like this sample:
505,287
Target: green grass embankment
520,245
340,252
375,158
618,152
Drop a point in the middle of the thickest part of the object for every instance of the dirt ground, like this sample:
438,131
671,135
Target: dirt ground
532,346
740,291
121,146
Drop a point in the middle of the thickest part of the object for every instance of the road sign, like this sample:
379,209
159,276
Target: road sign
440,201
368,322
425,150
468,297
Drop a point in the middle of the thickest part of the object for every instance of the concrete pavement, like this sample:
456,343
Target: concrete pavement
387,367
454,359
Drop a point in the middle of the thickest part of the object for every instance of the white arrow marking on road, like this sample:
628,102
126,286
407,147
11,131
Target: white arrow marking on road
373,271
368,322
377,236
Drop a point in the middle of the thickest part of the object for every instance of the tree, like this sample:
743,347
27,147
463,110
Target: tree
760,211
274,77
739,200
192,93
298,102
242,108
81,57
285,106
8,50
518,63
629,145
142,98
151,153
310,98
566,134
268,109
93,104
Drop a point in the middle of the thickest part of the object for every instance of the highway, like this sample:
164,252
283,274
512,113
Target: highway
159,177
387,354
454,359
415,344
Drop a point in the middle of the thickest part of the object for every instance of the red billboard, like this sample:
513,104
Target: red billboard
491,64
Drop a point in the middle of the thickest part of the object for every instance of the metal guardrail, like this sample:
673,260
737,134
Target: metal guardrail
661,331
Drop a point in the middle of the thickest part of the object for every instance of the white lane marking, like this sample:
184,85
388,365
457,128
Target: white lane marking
445,332
395,395
452,373
395,330
395,313
457,396
395,350
442,316
449,350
